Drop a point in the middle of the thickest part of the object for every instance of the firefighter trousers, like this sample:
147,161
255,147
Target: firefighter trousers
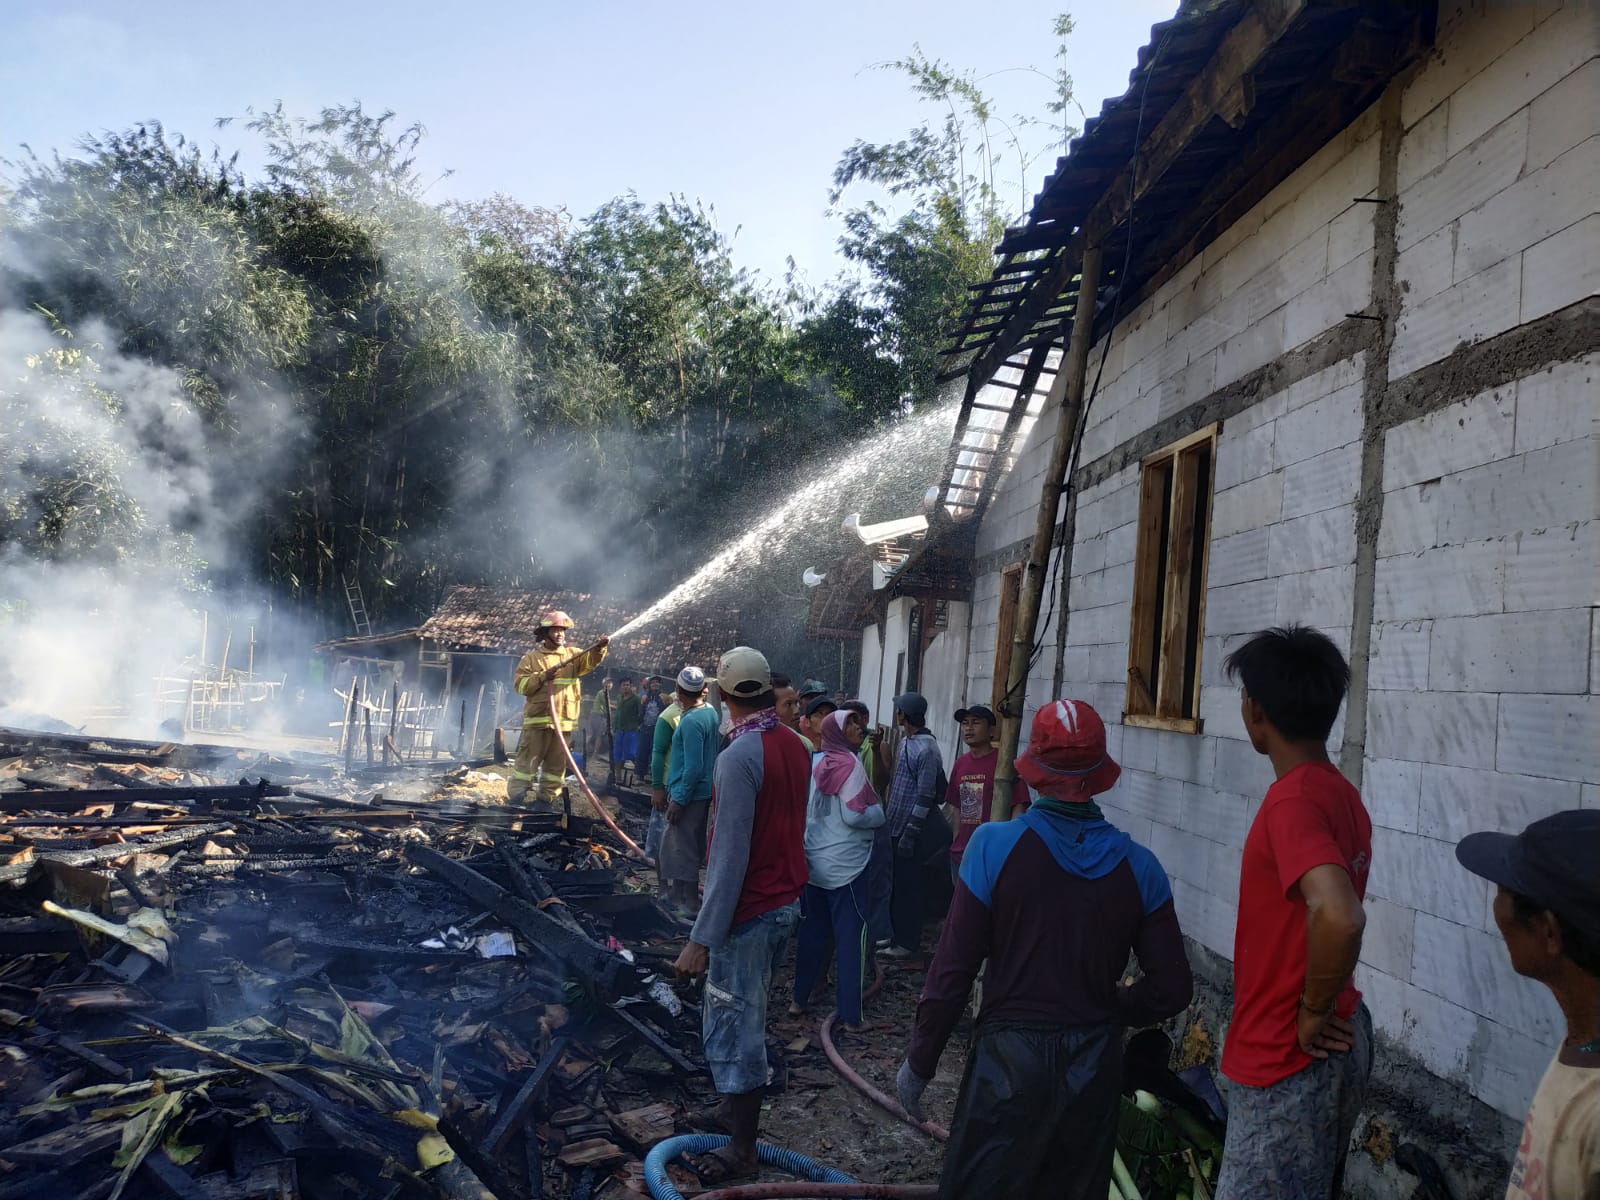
540,767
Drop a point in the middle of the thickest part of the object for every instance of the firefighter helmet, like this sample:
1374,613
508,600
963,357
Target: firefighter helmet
554,619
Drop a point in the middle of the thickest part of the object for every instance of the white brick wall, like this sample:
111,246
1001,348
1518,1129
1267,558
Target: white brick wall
1485,648
1497,221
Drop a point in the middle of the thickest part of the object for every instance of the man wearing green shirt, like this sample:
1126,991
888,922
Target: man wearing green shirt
689,679
625,721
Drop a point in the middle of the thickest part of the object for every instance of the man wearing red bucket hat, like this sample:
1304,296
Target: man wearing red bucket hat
1037,1113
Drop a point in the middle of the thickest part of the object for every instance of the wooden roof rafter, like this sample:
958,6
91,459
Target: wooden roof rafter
1205,87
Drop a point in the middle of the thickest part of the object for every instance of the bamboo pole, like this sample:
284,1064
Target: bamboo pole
1071,383
477,714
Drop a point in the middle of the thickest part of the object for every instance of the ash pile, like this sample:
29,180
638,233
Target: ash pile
230,976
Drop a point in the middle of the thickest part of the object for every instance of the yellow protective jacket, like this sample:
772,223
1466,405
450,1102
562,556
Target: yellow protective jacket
562,697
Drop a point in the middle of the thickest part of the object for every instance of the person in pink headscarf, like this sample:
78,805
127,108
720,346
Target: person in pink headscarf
841,815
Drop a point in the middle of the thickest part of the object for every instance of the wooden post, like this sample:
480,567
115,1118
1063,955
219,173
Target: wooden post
366,712
477,715
1071,381
350,725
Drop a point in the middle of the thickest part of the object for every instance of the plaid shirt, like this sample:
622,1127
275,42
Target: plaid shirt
916,780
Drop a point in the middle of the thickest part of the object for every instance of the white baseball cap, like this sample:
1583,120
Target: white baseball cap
744,672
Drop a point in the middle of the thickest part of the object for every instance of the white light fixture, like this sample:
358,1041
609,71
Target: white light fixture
930,497
885,531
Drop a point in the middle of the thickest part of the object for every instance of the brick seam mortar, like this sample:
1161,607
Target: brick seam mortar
1385,294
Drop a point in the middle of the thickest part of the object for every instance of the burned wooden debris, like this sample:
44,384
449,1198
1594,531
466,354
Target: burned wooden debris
229,976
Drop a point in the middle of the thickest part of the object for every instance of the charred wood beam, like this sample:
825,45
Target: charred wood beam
516,1109
489,1173
96,854
535,889
596,967
660,1044
98,749
68,799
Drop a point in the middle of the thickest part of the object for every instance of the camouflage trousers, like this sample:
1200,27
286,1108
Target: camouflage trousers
1289,1141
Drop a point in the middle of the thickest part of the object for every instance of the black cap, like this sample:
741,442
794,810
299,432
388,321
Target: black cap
914,707
811,687
818,703
982,711
1551,862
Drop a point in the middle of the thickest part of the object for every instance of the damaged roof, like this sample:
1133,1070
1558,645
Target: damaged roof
1227,99
506,621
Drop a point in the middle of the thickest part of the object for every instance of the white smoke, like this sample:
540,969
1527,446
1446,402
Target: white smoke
85,632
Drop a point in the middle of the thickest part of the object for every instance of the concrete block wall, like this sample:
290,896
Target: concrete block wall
1484,663
1483,711
1289,269
1282,549
1499,216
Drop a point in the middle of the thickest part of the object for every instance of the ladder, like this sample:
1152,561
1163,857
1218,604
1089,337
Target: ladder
358,606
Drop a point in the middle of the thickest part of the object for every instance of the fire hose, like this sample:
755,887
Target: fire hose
634,850
883,1100
801,1190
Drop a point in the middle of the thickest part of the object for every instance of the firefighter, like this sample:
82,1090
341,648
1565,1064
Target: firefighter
548,677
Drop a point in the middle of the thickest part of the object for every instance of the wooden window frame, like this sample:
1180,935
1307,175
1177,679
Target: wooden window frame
1005,630
1169,583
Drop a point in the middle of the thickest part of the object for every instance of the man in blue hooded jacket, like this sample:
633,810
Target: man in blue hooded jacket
1037,1113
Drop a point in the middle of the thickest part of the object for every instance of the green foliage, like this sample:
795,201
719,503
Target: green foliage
420,394
918,259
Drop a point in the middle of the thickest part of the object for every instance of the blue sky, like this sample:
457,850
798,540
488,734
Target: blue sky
743,106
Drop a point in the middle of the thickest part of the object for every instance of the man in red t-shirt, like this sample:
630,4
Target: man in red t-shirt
1299,1048
967,798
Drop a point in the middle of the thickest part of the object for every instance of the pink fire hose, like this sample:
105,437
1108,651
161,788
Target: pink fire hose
884,1101
802,1190
634,850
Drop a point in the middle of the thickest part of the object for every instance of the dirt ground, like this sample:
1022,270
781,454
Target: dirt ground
817,1113
822,1116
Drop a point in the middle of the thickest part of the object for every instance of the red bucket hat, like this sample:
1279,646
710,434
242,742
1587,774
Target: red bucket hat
1066,757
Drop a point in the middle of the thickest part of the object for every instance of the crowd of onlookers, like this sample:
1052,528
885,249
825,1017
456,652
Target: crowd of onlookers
812,824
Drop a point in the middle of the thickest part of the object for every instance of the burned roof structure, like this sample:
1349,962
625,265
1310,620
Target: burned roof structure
1227,99
505,621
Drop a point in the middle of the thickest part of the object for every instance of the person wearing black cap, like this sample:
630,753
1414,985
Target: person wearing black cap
968,798
812,715
1548,911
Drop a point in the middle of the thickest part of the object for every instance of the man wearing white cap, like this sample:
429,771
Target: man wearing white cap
688,785
755,872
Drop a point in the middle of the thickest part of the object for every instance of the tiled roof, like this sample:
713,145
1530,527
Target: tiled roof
500,619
